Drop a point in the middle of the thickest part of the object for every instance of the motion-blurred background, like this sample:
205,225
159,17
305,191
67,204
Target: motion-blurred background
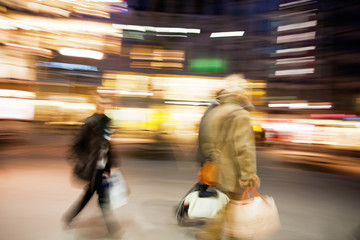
162,62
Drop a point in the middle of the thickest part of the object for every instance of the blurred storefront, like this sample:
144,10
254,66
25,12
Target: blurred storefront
161,70
162,105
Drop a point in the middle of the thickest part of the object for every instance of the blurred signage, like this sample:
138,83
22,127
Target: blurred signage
207,64
68,66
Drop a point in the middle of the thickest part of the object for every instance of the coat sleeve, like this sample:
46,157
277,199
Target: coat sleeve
207,141
244,147
81,140
110,157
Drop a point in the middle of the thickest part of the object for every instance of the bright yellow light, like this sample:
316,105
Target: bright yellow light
166,64
66,105
92,12
62,25
122,92
44,8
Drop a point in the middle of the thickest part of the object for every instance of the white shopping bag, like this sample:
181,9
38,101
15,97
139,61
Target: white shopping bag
253,217
205,207
117,191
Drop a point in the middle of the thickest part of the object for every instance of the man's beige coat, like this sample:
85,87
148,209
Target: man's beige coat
228,138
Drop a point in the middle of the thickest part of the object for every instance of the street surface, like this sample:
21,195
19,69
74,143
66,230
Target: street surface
36,189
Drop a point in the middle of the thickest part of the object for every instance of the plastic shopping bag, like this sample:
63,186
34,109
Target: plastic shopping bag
199,204
204,207
114,191
251,217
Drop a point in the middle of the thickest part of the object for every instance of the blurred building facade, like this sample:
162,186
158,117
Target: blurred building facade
305,51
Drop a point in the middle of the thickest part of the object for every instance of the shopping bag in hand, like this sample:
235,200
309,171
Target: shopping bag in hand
199,204
251,217
205,206
114,192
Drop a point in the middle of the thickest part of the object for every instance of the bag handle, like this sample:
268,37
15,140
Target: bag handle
246,195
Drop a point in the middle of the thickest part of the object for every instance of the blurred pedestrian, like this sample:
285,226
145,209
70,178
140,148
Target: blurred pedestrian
91,152
200,156
226,137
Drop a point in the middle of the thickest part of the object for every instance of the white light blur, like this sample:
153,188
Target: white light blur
301,12
130,27
176,30
43,50
300,105
16,93
227,34
297,26
288,126
293,3
188,103
295,60
164,35
122,92
5,24
288,105
136,93
73,52
110,1
299,49
72,2
16,108
296,37
156,29
294,72
40,7
93,12
325,106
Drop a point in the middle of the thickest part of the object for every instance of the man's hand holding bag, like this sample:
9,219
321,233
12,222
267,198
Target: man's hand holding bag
251,216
